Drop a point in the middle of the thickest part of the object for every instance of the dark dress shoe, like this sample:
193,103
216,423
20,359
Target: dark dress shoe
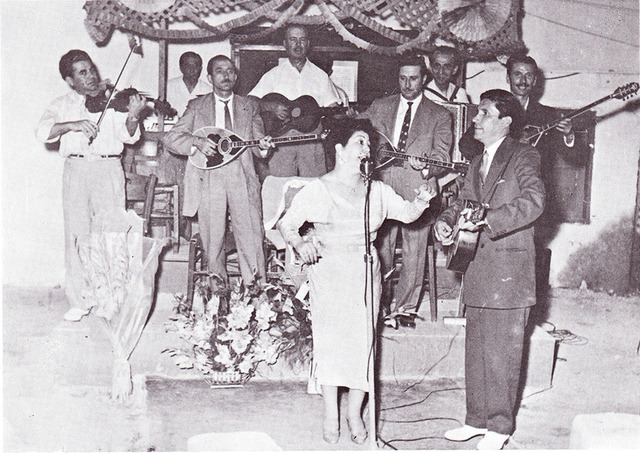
408,321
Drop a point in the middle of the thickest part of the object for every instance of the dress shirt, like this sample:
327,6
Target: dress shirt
402,110
178,95
491,152
220,110
291,83
461,95
70,107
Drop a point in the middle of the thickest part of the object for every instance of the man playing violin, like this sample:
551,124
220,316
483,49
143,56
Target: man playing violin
294,77
93,178
231,189
499,284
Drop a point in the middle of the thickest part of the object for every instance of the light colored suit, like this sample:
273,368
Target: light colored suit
499,285
233,188
430,135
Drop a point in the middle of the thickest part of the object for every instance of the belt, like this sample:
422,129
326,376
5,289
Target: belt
96,156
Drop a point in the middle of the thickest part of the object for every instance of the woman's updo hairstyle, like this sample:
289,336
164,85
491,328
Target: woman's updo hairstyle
342,130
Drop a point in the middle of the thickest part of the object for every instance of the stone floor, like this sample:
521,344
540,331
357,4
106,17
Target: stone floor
597,370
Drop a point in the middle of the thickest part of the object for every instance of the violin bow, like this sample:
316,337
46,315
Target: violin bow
135,45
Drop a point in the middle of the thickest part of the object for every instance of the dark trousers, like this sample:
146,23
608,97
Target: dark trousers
493,357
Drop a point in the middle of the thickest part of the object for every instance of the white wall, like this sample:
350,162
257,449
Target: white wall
36,33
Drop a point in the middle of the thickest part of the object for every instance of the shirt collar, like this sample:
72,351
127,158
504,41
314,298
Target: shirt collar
218,98
414,105
491,149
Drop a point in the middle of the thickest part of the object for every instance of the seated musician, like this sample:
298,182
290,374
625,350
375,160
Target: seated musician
444,64
294,77
232,188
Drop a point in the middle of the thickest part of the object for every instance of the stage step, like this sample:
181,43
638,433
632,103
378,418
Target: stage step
432,350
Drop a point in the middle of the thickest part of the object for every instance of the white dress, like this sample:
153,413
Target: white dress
337,280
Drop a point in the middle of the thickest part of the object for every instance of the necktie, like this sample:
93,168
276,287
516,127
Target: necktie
404,131
484,166
228,125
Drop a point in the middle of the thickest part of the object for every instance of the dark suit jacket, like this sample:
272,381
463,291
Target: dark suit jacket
502,275
430,135
247,124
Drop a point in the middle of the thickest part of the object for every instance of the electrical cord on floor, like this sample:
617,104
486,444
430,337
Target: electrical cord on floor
424,375
564,335
420,401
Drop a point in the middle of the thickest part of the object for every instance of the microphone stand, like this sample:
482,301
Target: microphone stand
368,300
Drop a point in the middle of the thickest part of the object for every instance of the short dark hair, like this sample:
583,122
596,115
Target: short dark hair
412,59
521,58
508,105
189,54
445,50
65,66
344,129
215,60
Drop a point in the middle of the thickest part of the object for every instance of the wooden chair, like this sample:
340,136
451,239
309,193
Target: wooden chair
140,192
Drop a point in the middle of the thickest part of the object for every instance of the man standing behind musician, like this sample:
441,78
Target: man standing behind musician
419,127
180,90
444,65
499,284
294,77
522,77
233,188
92,178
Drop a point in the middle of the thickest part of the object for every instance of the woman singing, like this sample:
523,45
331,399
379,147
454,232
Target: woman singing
334,204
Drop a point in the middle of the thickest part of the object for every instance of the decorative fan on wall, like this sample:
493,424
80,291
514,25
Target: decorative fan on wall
474,20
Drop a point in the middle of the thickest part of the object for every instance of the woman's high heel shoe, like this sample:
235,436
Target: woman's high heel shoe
331,432
360,435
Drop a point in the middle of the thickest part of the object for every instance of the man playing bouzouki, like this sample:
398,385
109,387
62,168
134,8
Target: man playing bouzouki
233,188
294,77
499,284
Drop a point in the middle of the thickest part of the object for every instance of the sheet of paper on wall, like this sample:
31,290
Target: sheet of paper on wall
345,75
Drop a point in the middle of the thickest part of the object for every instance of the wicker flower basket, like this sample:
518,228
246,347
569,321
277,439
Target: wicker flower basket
222,378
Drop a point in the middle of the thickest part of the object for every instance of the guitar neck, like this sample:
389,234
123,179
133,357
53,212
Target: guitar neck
428,161
289,139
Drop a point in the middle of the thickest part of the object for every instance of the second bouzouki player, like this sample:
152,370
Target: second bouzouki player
294,77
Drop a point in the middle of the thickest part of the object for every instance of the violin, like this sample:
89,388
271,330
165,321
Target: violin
120,102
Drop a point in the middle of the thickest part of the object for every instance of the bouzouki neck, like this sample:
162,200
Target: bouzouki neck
275,141
436,163
621,93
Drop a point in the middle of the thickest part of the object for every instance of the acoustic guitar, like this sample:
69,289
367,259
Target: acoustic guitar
465,243
533,134
229,146
304,114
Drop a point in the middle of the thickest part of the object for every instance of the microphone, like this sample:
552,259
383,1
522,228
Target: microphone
366,168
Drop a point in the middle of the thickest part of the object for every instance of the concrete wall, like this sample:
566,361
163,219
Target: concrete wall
36,33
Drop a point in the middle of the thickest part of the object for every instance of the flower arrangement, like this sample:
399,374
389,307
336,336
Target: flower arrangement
239,327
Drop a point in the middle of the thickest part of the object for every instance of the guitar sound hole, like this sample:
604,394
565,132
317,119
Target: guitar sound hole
224,146
295,112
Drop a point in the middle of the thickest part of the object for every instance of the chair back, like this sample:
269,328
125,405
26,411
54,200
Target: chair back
140,190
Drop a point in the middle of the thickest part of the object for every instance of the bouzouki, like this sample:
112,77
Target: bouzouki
463,249
533,134
386,153
229,146
304,114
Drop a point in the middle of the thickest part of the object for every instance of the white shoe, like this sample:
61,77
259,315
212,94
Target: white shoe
463,433
492,441
75,314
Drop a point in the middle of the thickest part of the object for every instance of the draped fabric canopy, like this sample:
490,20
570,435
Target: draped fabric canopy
480,29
